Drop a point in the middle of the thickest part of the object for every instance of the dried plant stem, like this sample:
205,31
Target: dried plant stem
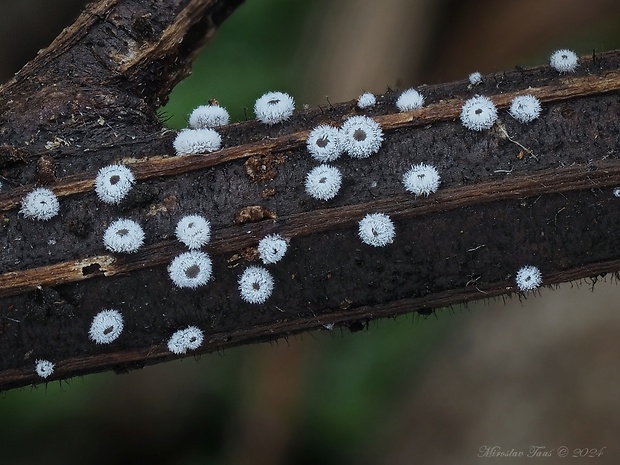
498,207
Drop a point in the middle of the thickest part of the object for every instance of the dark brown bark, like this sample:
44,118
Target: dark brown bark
537,194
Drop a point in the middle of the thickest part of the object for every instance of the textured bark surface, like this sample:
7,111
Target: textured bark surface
539,194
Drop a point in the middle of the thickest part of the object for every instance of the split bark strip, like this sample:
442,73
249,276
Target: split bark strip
596,175
161,166
496,209
132,359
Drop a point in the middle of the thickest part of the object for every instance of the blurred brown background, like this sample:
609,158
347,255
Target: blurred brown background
540,371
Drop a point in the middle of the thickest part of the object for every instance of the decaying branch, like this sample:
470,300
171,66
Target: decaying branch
536,194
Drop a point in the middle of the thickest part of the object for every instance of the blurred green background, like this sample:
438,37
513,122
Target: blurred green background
255,50
410,390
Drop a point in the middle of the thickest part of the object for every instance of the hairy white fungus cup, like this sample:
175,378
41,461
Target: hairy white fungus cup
324,143
376,229
361,136
255,285
528,278
44,368
475,78
197,141
113,183
478,113
421,179
366,100
40,204
189,338
123,236
194,231
274,107
564,61
272,248
616,191
190,269
208,116
525,108
323,182
106,327
409,100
